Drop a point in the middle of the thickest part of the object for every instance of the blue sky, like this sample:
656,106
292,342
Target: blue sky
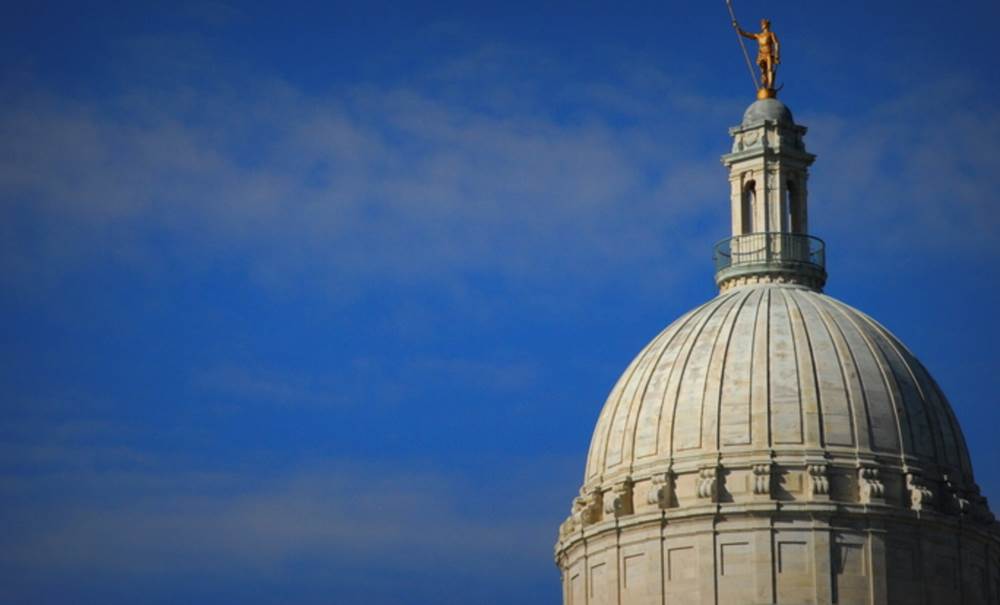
324,299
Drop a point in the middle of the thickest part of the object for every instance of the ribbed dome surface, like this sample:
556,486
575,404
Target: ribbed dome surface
779,367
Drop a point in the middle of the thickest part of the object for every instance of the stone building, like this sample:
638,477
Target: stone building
776,445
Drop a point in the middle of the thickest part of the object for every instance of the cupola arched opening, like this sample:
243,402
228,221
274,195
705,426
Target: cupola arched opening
795,216
749,201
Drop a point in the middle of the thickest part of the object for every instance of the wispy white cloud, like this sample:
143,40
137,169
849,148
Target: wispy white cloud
138,522
406,184
265,385
388,185
368,380
913,176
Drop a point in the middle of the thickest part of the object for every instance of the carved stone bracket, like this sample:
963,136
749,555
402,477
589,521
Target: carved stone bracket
870,487
921,496
819,481
661,490
955,502
568,527
980,506
708,483
587,508
762,479
619,501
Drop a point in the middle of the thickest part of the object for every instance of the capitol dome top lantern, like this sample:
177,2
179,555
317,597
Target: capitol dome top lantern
768,174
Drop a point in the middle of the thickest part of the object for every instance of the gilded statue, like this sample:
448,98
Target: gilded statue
768,54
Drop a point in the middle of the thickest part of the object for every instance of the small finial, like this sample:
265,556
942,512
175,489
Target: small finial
766,93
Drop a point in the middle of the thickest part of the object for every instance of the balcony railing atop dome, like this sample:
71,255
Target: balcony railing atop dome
796,256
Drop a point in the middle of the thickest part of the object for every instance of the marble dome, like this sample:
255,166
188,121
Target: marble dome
780,368
775,445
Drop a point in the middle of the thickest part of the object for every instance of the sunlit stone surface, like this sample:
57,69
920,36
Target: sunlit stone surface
776,445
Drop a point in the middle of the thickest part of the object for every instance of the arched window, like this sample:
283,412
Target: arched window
746,209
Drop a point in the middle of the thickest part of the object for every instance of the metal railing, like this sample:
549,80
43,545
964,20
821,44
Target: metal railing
771,251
